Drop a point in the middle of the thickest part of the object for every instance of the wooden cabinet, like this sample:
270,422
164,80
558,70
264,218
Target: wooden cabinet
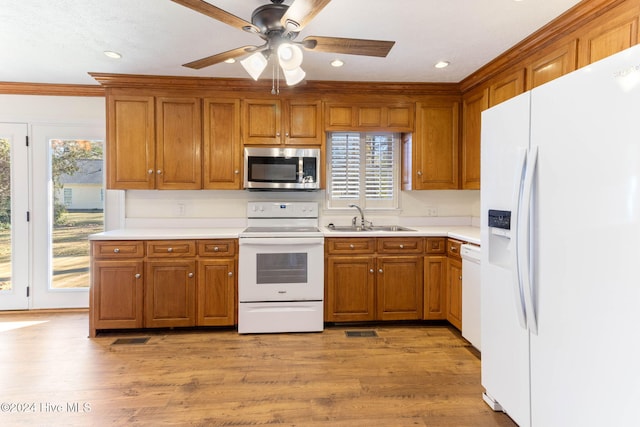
473,104
153,145
435,146
552,65
116,295
178,283
349,288
216,289
398,117
506,87
178,144
603,39
454,283
277,122
373,279
435,275
169,293
222,149
130,142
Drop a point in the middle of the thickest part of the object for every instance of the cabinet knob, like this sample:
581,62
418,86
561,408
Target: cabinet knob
159,172
116,250
190,274
277,133
401,246
236,171
453,248
169,249
230,273
380,271
216,249
150,171
287,134
137,276
351,246
419,173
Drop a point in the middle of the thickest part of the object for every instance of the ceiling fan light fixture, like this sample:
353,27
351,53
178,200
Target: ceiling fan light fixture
293,77
289,56
254,64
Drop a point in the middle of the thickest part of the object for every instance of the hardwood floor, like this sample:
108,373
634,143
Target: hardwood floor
52,374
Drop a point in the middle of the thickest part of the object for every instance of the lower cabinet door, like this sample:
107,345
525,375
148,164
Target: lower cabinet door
399,287
216,292
170,293
116,294
454,292
350,288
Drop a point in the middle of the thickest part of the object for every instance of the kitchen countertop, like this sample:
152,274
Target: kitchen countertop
465,233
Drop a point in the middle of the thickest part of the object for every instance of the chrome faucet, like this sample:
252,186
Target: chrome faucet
363,222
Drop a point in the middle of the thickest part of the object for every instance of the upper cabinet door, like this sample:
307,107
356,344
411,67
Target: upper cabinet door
262,121
603,40
178,144
130,142
435,162
221,143
473,105
553,65
303,122
506,88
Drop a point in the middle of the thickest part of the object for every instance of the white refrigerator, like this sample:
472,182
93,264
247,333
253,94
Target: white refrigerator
560,231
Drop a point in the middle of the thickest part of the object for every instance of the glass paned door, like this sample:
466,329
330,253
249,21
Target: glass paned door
14,230
69,200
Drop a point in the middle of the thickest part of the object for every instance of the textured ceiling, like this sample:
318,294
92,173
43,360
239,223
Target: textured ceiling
45,41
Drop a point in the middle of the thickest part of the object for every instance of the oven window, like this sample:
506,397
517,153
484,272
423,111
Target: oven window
281,268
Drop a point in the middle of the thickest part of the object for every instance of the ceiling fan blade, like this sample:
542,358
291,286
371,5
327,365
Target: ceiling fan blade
378,48
301,12
220,57
217,13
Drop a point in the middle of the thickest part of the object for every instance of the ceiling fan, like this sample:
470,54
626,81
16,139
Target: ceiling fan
278,25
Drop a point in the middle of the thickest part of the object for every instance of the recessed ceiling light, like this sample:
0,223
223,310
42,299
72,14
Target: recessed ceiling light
112,54
442,64
337,63
230,61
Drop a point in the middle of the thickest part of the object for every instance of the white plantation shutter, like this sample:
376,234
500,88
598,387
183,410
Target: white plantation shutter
363,169
379,167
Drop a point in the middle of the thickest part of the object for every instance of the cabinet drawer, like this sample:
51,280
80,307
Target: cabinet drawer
117,249
453,248
435,245
400,245
171,248
357,245
218,247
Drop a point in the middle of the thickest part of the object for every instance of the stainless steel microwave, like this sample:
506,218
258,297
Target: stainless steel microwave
282,168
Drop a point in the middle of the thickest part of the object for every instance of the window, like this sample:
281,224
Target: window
363,168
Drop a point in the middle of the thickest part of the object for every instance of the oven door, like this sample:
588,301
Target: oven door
281,269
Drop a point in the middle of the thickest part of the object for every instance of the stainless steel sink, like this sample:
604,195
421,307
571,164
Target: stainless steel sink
351,228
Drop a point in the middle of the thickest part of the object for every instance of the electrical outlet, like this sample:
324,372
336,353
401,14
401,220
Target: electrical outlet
431,212
181,209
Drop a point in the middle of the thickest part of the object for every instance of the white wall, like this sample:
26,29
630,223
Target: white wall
210,208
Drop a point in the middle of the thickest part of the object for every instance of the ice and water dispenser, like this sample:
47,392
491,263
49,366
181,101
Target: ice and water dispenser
500,247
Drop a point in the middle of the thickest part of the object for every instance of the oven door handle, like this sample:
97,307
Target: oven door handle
284,241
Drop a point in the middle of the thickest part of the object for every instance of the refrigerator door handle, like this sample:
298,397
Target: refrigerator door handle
518,290
524,244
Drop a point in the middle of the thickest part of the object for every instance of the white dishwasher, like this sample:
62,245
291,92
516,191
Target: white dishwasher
471,293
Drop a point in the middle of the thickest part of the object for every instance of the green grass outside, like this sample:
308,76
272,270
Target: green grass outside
70,250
